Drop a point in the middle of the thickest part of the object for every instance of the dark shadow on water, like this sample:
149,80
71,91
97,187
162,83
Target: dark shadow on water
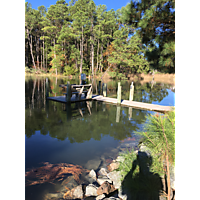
143,185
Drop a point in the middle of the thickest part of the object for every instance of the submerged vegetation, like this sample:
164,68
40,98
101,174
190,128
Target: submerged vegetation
82,37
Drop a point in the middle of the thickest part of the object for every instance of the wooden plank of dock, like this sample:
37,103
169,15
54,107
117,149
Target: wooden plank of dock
62,99
134,104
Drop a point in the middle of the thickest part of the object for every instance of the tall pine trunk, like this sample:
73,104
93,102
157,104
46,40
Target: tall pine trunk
92,46
81,47
55,54
30,44
43,53
92,59
37,53
101,56
26,54
98,51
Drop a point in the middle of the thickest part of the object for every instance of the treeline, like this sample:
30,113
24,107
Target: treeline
82,37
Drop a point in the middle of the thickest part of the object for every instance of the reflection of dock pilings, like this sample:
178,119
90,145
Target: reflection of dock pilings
118,114
77,111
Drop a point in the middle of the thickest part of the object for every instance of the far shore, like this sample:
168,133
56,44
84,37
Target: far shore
143,78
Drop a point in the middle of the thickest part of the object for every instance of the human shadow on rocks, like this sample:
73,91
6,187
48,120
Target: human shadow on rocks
143,185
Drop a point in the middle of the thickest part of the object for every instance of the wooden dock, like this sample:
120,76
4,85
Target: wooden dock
134,104
74,99
126,103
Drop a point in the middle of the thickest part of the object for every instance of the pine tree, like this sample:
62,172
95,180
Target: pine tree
155,21
159,138
127,51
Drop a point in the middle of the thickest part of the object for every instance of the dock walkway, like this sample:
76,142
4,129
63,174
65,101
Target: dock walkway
135,104
127,103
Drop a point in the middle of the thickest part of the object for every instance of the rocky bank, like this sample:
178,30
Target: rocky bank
102,184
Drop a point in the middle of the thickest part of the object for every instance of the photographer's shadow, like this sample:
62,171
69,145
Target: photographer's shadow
143,185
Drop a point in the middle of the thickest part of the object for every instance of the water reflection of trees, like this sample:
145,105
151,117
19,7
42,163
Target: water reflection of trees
146,92
57,120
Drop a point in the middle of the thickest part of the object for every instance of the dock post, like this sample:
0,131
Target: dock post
104,89
47,88
131,92
99,89
68,95
119,91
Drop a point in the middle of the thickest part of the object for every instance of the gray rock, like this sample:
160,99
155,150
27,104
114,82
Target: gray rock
103,179
77,192
91,190
115,177
103,171
93,164
92,174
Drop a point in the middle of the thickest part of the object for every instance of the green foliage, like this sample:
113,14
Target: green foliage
117,75
155,23
159,138
69,70
137,38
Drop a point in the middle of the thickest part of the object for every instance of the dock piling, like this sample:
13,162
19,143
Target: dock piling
99,89
131,92
119,91
104,89
68,93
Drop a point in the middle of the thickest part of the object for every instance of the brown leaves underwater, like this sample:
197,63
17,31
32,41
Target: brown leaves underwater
51,172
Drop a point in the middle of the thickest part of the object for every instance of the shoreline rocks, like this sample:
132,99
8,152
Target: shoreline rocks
101,183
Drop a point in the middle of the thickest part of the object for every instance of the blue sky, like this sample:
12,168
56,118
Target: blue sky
115,4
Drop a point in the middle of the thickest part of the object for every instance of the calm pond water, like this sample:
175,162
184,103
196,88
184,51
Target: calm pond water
87,133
